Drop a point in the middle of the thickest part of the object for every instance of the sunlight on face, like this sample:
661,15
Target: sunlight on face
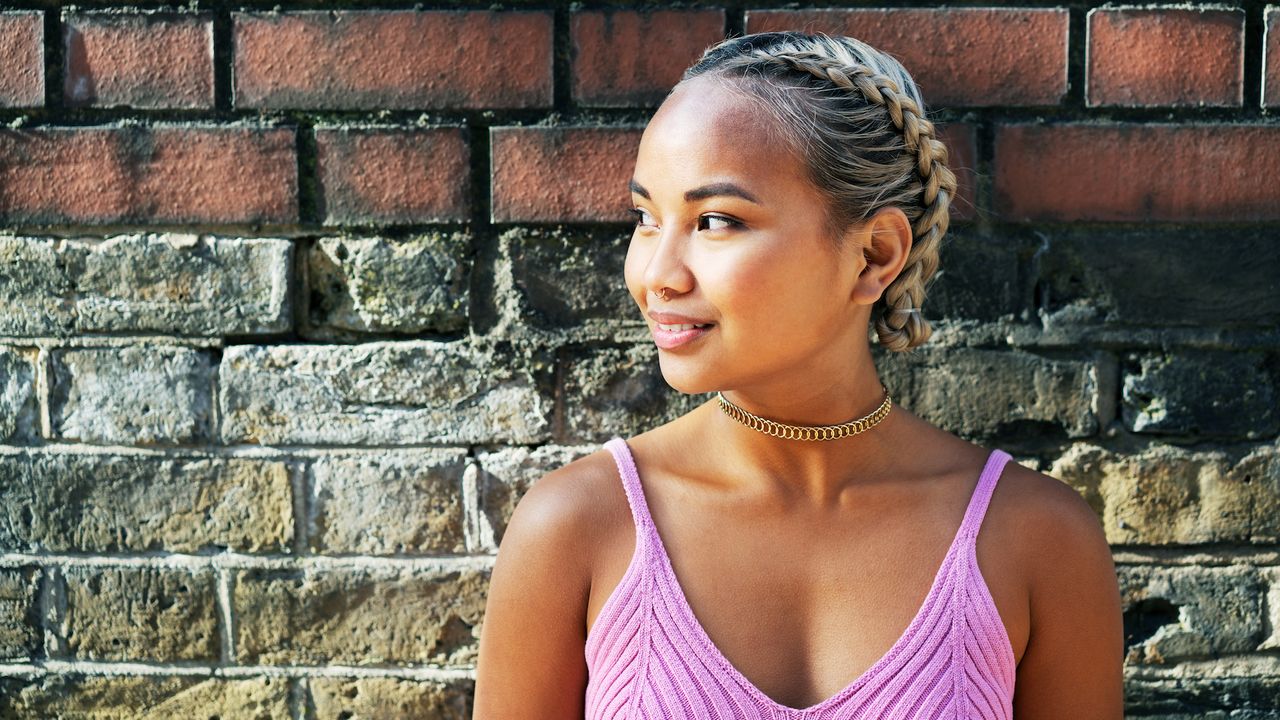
728,222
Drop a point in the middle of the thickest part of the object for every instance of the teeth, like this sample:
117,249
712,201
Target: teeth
678,328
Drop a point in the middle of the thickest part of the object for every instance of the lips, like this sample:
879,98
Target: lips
672,336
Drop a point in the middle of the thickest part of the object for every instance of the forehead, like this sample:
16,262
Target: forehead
708,128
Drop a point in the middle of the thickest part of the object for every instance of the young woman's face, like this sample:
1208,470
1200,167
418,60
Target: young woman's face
729,224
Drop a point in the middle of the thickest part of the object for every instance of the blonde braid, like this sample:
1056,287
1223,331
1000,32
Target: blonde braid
852,65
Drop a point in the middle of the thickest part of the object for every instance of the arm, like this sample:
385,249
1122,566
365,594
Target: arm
1073,663
531,662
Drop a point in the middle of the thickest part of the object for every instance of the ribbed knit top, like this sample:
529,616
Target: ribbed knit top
648,657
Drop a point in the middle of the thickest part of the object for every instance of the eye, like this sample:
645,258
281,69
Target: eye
643,218
717,222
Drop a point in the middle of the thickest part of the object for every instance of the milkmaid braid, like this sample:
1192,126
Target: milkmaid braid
857,118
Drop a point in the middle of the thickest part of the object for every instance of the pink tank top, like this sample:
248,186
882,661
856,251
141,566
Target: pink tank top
649,658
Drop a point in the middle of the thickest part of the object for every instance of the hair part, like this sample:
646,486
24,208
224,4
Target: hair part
856,117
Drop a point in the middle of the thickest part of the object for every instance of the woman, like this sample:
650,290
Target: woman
765,556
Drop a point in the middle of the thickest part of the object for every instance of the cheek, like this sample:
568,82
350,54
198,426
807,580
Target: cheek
633,271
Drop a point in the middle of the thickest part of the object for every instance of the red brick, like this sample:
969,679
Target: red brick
1271,81
962,154
107,175
398,59
158,60
562,174
616,61
22,58
1165,57
958,57
1128,172
384,175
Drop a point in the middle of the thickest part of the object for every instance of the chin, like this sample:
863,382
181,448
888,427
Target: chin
687,375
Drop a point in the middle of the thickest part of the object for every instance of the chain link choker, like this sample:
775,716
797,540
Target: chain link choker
807,432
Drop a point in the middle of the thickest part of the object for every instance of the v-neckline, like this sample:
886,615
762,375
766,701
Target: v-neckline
677,594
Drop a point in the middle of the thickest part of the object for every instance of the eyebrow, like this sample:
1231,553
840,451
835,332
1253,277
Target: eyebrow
701,193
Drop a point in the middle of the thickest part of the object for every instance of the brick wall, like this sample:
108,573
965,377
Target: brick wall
295,304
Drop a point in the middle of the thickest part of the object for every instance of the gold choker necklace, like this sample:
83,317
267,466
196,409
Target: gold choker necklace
807,432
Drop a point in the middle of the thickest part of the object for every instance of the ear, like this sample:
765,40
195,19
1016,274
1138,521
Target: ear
885,240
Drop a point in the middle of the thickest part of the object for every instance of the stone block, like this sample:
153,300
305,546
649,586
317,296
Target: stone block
376,698
20,631
140,613
504,476
981,278
618,391
358,616
80,502
562,278
390,503
363,285
1201,393
172,283
1226,694
1175,614
122,697
19,406
135,395
377,393
1164,494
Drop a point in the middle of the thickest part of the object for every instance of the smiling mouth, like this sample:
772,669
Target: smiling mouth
678,328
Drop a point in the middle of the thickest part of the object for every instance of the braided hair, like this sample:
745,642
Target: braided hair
856,117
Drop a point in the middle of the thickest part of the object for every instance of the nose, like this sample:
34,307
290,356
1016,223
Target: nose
666,266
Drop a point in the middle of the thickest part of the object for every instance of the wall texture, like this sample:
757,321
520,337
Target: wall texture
296,301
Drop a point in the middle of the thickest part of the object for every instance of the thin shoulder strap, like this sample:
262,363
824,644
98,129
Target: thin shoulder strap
631,483
982,492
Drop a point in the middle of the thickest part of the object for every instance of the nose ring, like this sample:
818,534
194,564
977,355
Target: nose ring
662,294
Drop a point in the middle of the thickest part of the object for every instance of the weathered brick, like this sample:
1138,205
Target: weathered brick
958,56
504,476
1075,172
618,391
1174,614
168,283
393,175
94,502
1088,277
561,279
1008,392
616,62
1272,577
369,698
20,632
1271,73
358,616
981,277
115,697
543,174
19,405
21,58
1201,393
393,59
1164,494
1165,57
392,503
140,613
134,174
140,394
382,393
152,60
362,285
1230,691
962,146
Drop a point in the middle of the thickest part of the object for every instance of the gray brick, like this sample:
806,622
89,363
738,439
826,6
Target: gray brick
58,502
1007,394
365,285
358,616
1164,494
392,503
377,393
141,613
79,697
618,391
561,278
1201,393
20,632
19,406
982,278
372,698
131,395
1173,614
505,475
1229,696
164,283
